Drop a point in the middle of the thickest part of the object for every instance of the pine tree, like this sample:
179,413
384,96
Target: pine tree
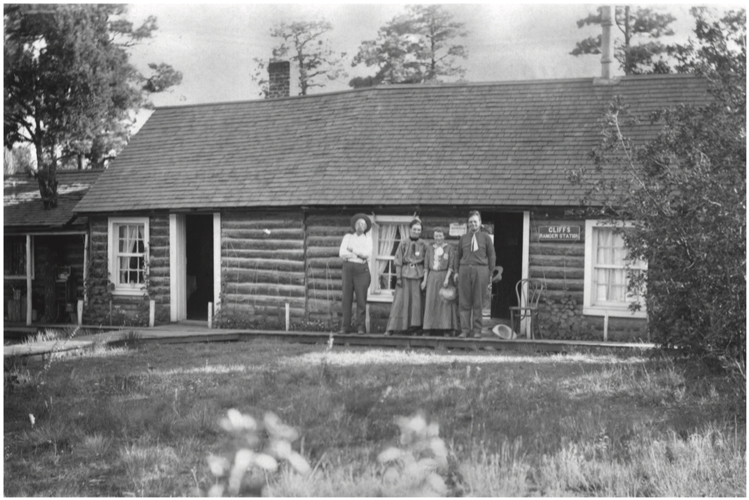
634,56
415,47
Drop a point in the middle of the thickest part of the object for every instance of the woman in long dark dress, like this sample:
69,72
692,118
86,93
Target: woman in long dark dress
440,316
406,311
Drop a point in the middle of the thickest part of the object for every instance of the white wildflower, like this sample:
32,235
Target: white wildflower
238,422
266,462
217,490
278,429
416,471
418,425
244,458
439,449
232,421
437,484
402,422
242,462
428,464
218,465
32,419
280,448
433,430
391,475
389,455
407,459
299,463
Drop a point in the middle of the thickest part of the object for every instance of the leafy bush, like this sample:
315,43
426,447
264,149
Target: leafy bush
685,192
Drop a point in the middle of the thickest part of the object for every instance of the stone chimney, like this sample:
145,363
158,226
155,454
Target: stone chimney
607,47
278,79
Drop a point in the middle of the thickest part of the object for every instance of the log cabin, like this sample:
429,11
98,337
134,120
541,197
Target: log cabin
238,209
44,264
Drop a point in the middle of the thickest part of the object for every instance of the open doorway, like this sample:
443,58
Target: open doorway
199,265
508,243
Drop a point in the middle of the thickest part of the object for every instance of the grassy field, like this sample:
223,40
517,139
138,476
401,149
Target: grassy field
143,420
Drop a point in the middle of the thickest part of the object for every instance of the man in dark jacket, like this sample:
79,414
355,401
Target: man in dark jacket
475,261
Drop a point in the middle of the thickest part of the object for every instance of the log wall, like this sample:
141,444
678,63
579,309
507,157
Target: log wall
561,265
323,266
273,258
262,267
127,310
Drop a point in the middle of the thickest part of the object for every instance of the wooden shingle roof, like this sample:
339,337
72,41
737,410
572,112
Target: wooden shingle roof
502,144
23,209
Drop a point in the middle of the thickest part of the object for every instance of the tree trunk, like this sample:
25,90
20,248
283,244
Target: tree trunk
46,176
302,73
627,37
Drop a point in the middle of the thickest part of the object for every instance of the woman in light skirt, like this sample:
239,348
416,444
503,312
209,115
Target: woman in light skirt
440,316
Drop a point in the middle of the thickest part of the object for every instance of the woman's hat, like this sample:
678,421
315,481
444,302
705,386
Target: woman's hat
504,332
361,216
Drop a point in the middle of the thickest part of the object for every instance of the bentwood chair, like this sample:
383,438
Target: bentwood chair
528,292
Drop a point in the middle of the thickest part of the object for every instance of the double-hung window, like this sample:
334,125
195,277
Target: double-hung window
128,254
387,233
608,270
14,257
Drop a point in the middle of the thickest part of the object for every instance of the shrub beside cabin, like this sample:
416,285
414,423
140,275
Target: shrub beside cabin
243,205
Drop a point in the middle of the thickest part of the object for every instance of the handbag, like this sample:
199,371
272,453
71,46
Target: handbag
448,293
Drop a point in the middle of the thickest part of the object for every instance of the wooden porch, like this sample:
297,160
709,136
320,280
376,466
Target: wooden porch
198,331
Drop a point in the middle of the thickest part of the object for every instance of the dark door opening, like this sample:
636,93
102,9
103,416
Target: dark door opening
199,254
508,243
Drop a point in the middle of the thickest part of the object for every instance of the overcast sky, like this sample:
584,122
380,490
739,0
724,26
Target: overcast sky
213,45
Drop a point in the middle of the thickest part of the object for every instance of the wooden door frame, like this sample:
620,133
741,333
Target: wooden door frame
216,262
177,267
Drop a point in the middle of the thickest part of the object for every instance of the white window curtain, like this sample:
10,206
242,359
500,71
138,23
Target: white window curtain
131,245
610,274
386,236
403,231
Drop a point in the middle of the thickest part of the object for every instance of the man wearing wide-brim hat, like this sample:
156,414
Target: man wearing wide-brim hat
356,250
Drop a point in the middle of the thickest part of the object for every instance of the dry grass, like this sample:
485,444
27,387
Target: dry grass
142,421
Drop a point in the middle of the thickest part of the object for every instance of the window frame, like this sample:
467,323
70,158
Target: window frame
126,288
372,296
23,238
620,310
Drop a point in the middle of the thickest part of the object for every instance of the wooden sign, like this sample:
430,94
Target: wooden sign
458,229
558,233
